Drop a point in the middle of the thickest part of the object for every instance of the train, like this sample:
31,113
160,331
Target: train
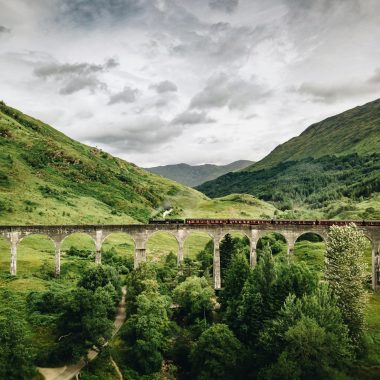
266,222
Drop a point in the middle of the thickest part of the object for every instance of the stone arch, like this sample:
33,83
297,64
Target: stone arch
204,238
163,245
263,233
223,259
234,232
5,254
75,234
82,253
312,253
123,245
198,247
322,235
35,253
279,249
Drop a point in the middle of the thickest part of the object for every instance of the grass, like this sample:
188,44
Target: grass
313,254
368,368
48,178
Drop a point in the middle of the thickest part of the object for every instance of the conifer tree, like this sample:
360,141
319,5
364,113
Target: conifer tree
345,273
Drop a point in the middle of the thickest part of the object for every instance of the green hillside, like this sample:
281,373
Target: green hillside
47,177
332,169
354,131
194,175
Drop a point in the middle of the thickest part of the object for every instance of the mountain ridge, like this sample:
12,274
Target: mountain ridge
334,135
333,167
194,175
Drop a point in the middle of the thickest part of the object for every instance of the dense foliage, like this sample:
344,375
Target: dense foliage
311,182
346,275
274,321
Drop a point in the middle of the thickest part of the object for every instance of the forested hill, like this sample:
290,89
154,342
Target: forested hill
333,167
354,131
49,178
193,175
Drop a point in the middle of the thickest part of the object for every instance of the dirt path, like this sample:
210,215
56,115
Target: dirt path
117,369
70,371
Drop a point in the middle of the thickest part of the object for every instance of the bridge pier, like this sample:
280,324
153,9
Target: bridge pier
98,246
216,265
57,258
375,265
180,253
140,249
14,241
253,255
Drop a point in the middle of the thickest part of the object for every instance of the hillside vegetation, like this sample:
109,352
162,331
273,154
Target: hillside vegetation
47,177
330,169
193,175
354,131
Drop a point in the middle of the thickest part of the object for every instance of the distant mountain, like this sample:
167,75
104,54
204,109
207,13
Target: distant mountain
195,175
354,131
335,161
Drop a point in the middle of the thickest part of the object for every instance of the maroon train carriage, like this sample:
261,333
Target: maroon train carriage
283,222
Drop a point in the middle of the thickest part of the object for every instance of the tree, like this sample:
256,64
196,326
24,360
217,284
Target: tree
346,274
167,273
236,275
16,353
99,276
136,284
295,278
265,292
84,321
216,354
308,339
206,258
145,332
256,299
195,297
226,249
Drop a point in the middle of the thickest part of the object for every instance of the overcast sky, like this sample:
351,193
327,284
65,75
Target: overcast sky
195,81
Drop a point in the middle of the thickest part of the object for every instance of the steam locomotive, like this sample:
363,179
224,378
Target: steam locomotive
265,221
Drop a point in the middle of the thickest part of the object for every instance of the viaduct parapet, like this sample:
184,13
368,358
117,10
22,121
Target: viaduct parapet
140,233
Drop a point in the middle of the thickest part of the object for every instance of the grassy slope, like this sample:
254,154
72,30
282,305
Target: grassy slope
334,161
46,177
195,175
354,131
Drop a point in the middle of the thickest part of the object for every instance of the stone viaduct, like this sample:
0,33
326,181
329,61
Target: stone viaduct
140,233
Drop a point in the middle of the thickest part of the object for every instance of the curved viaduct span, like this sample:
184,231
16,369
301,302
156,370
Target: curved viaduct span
140,233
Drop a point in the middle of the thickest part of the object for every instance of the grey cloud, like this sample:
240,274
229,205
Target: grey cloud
333,92
226,44
76,84
190,117
224,5
74,77
128,95
3,29
139,135
164,86
90,12
228,90
60,70
375,78
208,140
